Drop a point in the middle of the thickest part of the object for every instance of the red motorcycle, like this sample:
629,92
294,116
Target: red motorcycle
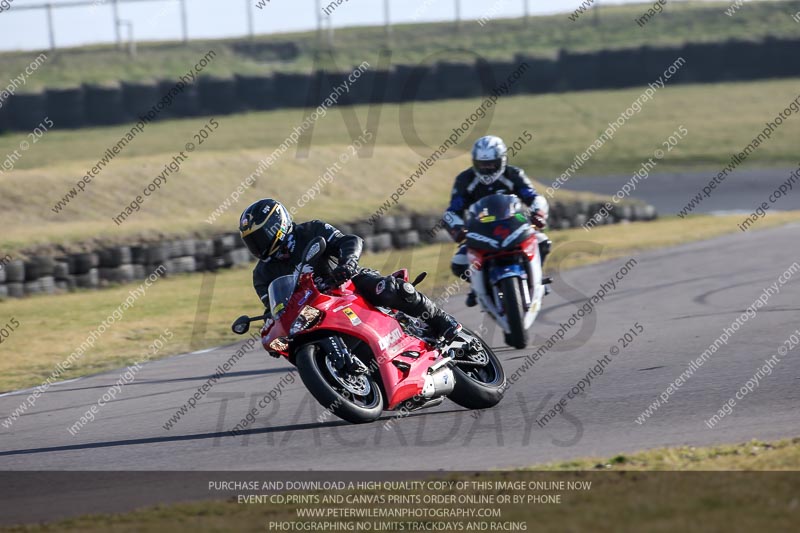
356,359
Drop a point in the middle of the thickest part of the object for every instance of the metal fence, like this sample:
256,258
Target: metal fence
324,11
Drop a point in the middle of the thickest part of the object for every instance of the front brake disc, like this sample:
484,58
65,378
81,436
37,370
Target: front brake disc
357,384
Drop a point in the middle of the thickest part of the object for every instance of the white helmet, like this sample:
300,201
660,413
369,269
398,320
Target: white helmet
489,158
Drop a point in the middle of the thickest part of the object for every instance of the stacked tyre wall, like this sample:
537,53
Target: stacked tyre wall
91,105
41,274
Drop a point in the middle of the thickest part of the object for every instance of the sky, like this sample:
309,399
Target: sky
26,29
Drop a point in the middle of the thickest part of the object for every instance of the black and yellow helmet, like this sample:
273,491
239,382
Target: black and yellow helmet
264,227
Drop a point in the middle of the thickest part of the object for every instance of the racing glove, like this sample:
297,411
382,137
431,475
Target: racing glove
345,271
458,233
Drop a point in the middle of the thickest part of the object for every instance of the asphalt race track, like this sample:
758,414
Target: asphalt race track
670,192
683,297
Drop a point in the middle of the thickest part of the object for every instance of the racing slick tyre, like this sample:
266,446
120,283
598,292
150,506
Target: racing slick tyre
477,387
357,399
512,304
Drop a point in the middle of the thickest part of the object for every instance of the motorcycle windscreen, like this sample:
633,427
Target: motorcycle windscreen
500,234
280,291
495,207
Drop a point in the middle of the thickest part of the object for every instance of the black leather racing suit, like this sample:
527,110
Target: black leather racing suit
380,291
469,188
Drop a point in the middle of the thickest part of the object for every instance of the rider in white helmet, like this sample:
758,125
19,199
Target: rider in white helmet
490,173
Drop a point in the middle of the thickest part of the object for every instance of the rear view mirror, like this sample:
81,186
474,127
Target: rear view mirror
241,325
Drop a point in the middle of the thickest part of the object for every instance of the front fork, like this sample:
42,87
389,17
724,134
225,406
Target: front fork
341,356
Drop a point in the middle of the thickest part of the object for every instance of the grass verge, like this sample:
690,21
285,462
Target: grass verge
753,455
562,125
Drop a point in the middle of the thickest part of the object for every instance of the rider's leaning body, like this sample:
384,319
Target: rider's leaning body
266,227
490,174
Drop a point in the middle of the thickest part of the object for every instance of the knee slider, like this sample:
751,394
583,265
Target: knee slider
459,270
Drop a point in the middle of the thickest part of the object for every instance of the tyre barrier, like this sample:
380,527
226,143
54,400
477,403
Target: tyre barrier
386,223
291,89
185,104
138,98
27,110
118,274
61,271
44,285
324,83
614,68
104,104
371,88
363,229
5,119
458,80
256,92
541,75
172,249
65,107
405,239
404,222
39,267
779,57
412,83
138,255
224,244
15,289
204,247
426,223
83,263
493,74
440,236
15,271
217,96
90,280
579,71
125,264
114,257
65,285
155,254
380,242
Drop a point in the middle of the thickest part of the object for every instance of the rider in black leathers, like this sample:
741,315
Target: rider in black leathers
490,174
267,229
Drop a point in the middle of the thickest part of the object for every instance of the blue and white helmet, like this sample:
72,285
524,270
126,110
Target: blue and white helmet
489,158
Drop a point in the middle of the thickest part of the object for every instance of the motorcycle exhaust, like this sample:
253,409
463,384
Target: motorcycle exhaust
439,383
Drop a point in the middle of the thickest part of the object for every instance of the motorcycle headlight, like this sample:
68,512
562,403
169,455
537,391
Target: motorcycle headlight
307,318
